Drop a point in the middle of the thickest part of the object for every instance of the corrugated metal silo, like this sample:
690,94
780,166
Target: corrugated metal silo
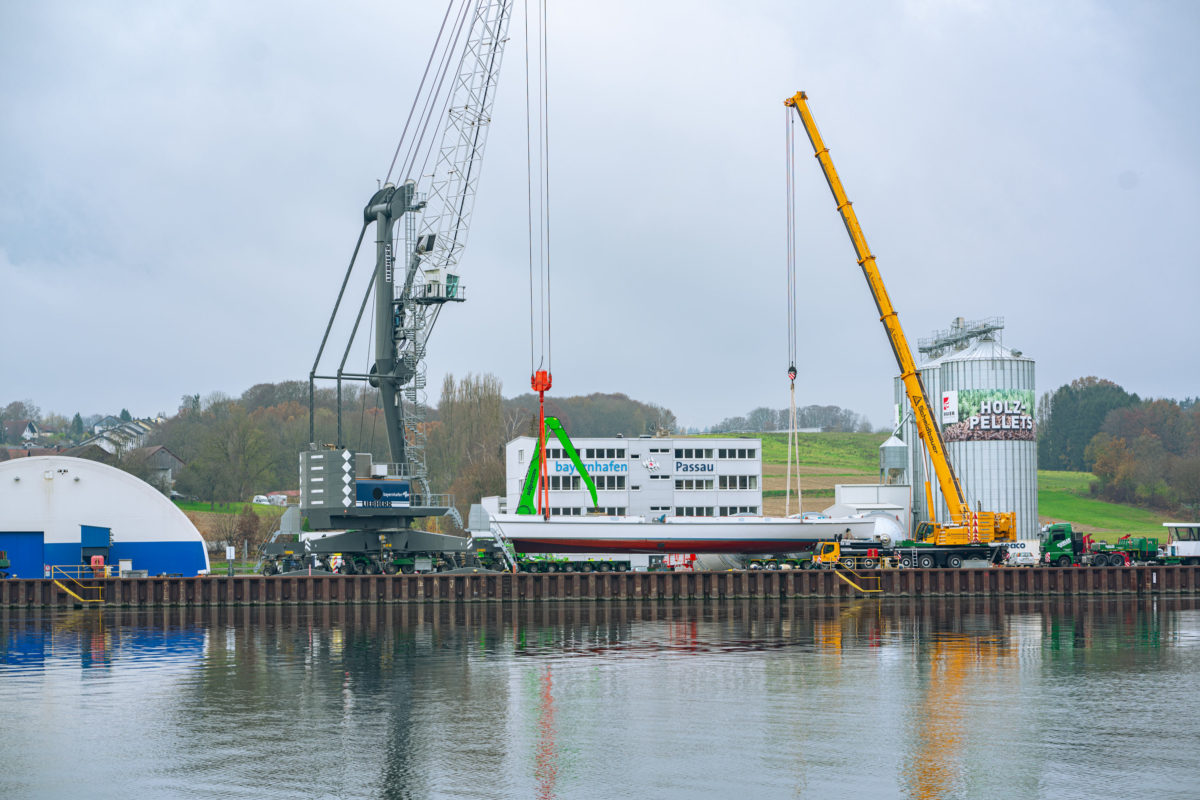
987,394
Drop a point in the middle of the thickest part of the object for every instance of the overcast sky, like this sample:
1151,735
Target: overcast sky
182,183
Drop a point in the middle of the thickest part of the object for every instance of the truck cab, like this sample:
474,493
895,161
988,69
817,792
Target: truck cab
1183,541
827,554
1061,546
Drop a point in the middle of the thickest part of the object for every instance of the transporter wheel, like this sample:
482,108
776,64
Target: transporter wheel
390,568
867,563
926,561
773,565
954,562
269,568
906,562
621,567
1063,561
806,565
846,563
1100,560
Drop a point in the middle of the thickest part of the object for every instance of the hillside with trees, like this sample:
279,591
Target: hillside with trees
1144,452
827,419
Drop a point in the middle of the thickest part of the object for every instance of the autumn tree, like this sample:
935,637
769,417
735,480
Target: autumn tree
465,447
233,459
1074,414
247,529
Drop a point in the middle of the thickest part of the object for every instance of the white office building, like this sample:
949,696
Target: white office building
646,476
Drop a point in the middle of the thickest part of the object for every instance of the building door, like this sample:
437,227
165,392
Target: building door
93,541
24,553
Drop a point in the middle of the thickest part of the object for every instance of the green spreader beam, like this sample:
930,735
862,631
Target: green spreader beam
527,506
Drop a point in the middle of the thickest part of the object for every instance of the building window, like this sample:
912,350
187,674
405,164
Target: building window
660,477
693,511
738,482
565,483
693,484
729,511
609,482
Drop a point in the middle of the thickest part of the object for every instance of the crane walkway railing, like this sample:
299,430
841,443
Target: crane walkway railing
505,546
83,592
864,579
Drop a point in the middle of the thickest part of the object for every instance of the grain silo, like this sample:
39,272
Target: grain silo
987,394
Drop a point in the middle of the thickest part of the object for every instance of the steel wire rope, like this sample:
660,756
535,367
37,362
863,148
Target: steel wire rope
544,98
793,450
431,101
539,318
421,88
544,160
529,190
441,116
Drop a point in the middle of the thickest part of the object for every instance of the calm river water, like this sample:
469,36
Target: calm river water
1062,698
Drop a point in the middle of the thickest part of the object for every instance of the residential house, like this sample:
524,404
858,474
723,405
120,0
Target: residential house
17,431
122,437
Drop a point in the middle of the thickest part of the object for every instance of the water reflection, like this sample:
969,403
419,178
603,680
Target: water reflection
916,698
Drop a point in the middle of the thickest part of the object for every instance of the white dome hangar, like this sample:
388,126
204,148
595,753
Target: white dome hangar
56,510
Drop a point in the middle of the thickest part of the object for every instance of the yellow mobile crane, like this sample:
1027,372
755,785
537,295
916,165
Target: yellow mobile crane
965,526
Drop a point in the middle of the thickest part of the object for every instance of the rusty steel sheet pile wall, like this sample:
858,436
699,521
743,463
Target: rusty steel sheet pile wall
214,590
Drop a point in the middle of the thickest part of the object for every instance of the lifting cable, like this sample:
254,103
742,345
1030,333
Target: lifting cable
539,312
793,443
431,102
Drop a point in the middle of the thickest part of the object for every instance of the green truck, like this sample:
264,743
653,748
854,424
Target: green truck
1062,546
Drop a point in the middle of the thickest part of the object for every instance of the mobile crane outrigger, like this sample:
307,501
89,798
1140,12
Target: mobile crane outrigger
966,527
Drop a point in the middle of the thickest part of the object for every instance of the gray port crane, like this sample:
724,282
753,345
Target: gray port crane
420,234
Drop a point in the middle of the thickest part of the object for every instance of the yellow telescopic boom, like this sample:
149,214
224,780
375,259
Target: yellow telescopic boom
966,526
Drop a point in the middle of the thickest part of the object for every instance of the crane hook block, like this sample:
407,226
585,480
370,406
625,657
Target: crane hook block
541,381
792,372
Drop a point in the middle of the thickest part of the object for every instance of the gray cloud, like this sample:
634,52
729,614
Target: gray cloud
183,186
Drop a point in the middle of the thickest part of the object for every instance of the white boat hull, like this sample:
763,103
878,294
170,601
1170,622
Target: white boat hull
635,534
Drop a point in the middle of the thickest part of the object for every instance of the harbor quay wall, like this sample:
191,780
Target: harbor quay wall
216,590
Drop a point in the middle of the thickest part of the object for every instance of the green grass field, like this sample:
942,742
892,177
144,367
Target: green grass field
1064,497
846,453
269,512
828,458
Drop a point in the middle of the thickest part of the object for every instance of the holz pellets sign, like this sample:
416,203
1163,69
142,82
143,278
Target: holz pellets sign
987,415
382,494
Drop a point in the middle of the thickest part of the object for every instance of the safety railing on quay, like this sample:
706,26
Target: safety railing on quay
70,580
